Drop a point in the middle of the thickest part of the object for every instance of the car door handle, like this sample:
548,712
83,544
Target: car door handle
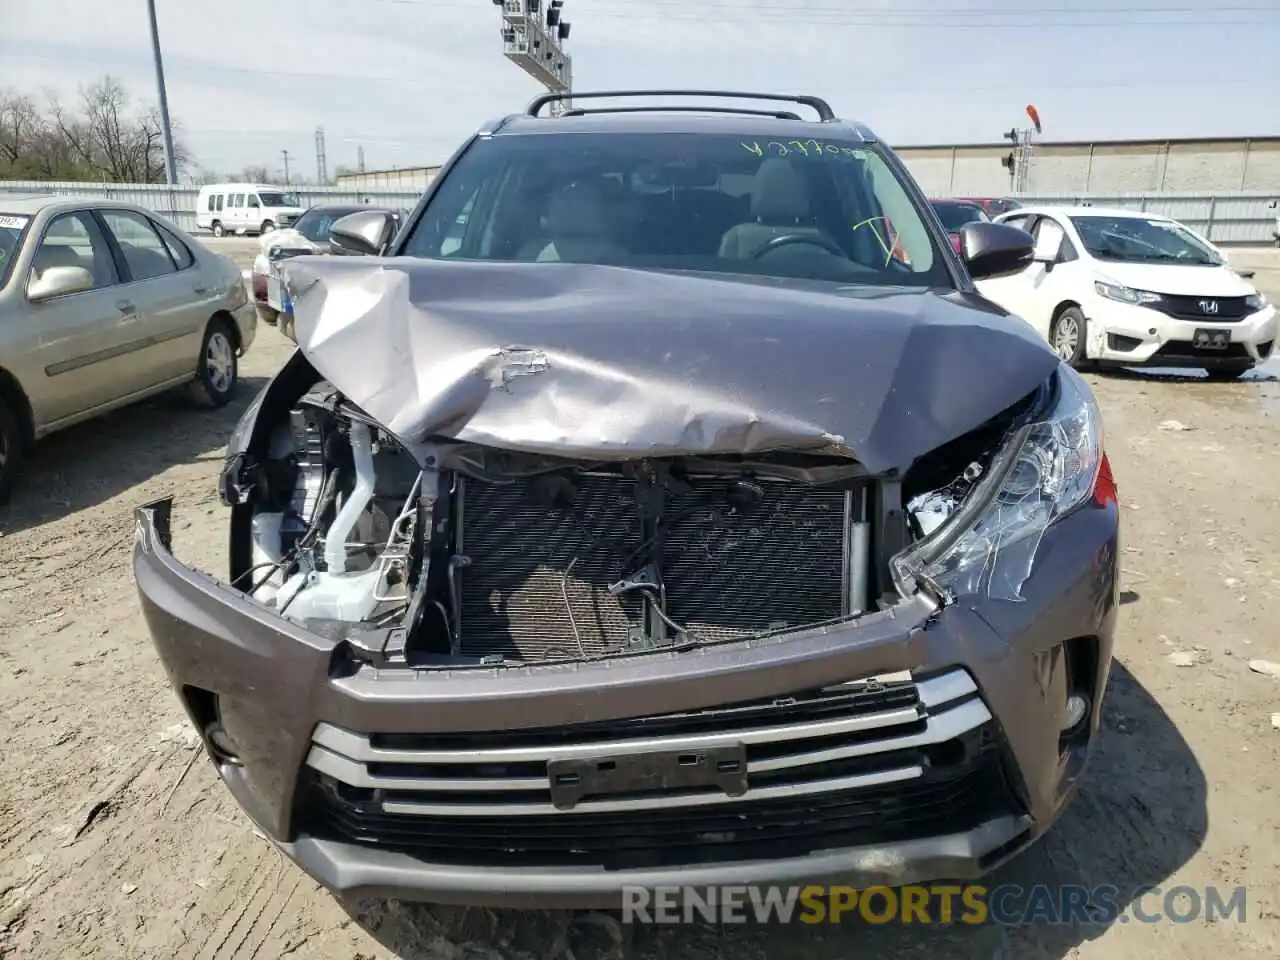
124,306
200,289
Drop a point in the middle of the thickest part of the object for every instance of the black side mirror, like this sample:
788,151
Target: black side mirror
365,234
995,249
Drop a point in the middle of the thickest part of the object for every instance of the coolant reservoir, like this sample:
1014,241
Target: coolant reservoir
265,533
350,597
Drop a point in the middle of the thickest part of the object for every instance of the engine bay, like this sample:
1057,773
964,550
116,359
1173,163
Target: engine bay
481,556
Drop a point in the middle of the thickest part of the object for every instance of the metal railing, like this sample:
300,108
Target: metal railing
1225,218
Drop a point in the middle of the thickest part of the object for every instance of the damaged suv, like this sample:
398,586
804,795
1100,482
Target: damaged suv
661,505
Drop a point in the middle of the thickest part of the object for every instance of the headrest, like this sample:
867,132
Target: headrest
577,210
779,193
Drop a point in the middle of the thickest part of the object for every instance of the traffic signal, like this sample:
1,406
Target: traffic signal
1012,136
1007,162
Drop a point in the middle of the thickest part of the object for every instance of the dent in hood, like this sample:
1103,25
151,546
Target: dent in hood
606,363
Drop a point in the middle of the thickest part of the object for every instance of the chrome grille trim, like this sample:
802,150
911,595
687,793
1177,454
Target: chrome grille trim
947,708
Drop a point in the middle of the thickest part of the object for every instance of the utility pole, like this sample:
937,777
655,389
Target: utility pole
322,169
360,159
285,154
533,36
170,163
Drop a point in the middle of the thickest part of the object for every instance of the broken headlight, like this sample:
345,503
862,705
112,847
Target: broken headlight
1048,468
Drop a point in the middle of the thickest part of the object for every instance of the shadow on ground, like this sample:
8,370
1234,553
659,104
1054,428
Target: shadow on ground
1141,814
87,464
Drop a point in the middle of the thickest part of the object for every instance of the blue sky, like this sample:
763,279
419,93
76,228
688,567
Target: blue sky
408,79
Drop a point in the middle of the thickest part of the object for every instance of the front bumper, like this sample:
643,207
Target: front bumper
1128,335
433,784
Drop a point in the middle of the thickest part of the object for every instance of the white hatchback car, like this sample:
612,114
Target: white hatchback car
1122,288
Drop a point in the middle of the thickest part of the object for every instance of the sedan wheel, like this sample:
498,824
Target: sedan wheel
1068,336
12,450
218,370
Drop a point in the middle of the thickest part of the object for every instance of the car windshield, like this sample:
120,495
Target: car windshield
11,227
956,215
271,199
315,224
1142,240
834,210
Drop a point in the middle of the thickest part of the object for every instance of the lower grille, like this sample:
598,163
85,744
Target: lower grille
536,584
1181,351
884,772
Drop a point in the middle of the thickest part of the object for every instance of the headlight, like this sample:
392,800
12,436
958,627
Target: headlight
1117,291
1048,469
1255,301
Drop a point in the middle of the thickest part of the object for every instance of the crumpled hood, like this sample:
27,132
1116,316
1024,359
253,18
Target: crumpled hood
605,363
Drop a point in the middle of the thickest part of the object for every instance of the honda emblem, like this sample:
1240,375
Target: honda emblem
1208,306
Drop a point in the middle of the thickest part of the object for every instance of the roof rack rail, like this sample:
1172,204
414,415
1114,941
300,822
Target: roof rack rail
777,114
817,104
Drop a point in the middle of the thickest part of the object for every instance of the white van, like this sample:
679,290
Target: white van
245,208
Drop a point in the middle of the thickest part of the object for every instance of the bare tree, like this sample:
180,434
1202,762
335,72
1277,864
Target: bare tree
106,138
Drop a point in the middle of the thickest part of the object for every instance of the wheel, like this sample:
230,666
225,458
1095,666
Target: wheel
217,228
219,367
12,450
1068,334
267,226
1229,373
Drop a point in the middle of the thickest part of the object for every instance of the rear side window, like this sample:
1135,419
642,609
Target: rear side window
180,252
144,251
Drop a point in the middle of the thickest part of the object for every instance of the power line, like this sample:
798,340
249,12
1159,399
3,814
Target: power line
743,12
745,8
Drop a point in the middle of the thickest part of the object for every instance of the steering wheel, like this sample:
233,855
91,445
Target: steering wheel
791,239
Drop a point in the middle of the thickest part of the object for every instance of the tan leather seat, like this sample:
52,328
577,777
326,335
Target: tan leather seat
779,204
577,223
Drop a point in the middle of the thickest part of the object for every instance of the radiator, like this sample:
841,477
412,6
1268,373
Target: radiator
536,585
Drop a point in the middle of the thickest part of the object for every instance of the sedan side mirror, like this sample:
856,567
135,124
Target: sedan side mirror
58,282
366,233
993,250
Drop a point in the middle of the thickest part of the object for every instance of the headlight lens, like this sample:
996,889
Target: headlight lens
1118,291
990,542
1255,301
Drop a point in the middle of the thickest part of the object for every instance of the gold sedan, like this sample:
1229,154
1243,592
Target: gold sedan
103,304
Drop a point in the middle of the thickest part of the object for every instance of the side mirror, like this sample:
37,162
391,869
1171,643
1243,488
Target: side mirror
366,233
995,249
58,282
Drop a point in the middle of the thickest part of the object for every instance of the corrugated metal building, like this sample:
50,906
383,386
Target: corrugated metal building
409,178
1244,165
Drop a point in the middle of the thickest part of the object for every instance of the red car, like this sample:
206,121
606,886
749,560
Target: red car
993,206
954,214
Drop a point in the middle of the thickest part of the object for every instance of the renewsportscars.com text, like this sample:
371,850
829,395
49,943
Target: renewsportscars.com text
1008,905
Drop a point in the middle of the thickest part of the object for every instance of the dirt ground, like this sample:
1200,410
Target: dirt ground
116,840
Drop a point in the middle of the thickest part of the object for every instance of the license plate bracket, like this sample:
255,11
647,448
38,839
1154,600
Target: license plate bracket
574,779
1208,338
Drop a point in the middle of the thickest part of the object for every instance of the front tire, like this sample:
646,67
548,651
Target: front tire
217,229
267,227
1069,335
13,450
218,372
